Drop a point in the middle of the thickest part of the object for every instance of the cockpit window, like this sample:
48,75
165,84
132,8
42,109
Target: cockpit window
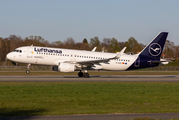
19,51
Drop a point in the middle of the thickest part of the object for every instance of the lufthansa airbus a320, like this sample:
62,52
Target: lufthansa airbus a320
68,60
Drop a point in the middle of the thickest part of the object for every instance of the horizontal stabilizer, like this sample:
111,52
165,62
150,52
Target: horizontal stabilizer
162,62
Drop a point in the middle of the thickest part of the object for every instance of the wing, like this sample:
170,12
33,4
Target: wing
92,62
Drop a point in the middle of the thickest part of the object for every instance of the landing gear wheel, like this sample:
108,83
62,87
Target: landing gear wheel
80,74
86,75
27,71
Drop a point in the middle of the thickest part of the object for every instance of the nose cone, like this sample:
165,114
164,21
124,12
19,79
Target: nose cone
9,56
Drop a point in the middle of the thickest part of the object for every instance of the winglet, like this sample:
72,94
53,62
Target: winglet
120,53
94,49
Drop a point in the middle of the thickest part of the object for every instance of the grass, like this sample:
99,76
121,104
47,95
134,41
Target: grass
64,98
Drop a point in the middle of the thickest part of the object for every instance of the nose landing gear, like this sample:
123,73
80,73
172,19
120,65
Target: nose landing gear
28,71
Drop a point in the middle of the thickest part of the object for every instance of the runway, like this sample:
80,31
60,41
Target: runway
102,78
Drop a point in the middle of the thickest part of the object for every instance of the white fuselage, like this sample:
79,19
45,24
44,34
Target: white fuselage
54,56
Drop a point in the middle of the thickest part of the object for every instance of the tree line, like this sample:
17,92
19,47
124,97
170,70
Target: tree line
106,45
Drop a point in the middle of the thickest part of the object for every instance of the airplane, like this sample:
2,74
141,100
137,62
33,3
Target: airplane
69,60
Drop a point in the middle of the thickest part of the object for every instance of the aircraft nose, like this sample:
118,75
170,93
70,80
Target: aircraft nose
9,56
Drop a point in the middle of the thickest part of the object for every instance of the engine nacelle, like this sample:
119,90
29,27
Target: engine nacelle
64,67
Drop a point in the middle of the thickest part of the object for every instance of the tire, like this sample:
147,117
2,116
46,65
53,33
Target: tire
86,75
80,74
27,71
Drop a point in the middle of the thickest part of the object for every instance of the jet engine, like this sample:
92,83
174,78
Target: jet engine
64,67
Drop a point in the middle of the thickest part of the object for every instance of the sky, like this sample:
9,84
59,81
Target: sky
56,20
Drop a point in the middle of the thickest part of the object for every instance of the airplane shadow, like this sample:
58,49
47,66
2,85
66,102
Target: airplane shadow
14,114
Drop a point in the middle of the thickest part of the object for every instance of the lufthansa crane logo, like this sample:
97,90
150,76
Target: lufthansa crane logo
155,49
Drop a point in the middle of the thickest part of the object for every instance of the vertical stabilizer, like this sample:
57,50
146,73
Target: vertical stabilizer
155,47
150,55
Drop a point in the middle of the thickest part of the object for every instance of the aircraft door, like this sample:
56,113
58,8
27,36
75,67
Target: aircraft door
137,62
29,52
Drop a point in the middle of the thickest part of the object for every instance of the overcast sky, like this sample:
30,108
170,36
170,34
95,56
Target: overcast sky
56,20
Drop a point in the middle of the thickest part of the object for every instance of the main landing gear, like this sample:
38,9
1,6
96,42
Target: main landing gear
85,74
27,71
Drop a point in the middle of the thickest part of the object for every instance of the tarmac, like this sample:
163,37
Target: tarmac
102,78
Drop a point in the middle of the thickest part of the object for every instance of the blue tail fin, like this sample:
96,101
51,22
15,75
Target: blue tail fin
155,47
150,55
